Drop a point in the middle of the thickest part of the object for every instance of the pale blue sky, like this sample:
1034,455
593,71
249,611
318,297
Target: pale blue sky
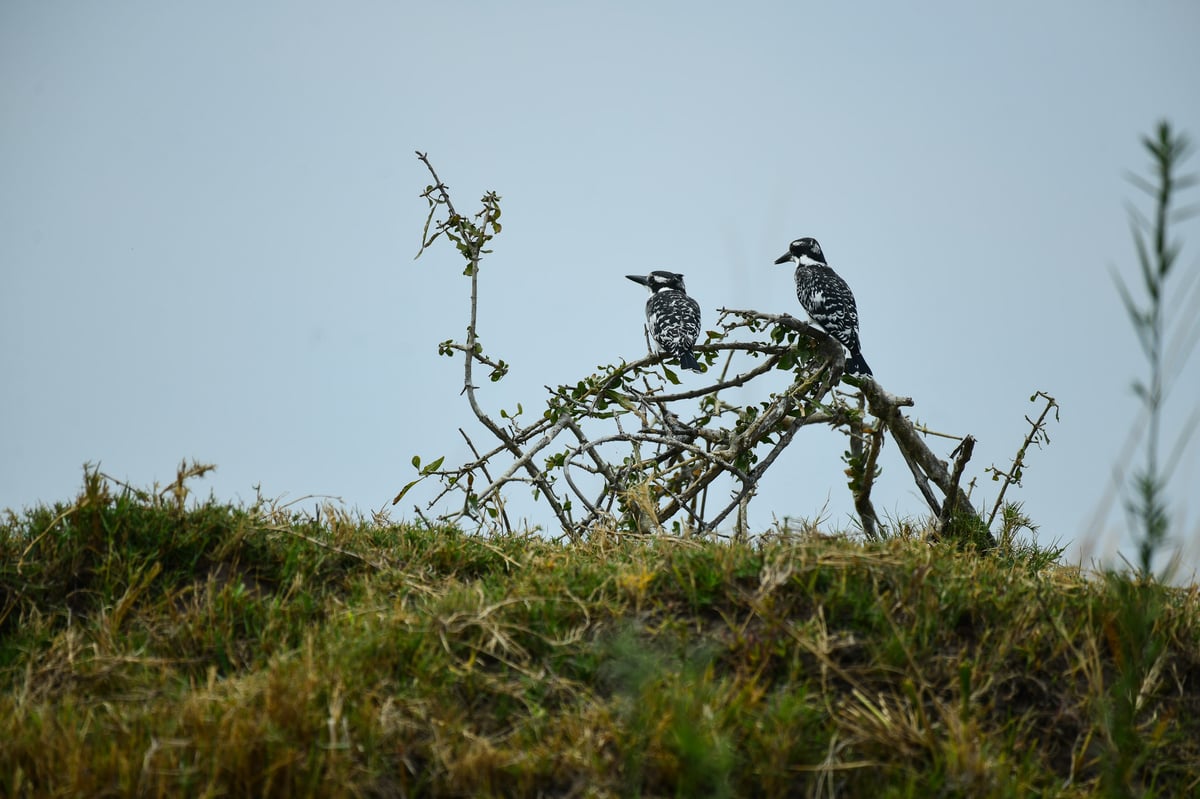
208,214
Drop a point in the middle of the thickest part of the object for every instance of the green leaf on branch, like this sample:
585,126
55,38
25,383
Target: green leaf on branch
404,490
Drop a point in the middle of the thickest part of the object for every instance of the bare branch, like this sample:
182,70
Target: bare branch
1037,434
953,497
483,468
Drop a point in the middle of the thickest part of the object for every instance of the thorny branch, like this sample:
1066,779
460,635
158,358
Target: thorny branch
470,239
643,475
1037,435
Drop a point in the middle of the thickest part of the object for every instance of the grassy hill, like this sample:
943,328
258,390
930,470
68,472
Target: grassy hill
149,647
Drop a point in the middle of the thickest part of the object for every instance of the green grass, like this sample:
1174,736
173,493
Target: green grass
152,648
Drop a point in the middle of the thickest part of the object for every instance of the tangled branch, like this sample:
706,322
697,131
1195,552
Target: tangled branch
624,449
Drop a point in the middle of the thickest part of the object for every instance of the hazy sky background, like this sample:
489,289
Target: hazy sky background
208,216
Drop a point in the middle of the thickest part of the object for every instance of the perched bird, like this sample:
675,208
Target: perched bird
672,316
826,298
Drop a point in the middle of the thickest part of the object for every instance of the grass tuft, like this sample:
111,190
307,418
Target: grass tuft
153,649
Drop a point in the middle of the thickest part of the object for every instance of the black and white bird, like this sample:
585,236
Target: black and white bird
672,317
826,298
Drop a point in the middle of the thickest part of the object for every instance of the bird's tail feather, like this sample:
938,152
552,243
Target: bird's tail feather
688,361
857,365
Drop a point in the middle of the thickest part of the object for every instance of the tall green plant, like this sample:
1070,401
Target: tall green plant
1157,256
1136,624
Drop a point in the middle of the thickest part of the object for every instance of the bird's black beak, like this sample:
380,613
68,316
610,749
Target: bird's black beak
638,279
783,259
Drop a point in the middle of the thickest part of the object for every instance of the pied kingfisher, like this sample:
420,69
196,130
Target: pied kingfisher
672,317
826,298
